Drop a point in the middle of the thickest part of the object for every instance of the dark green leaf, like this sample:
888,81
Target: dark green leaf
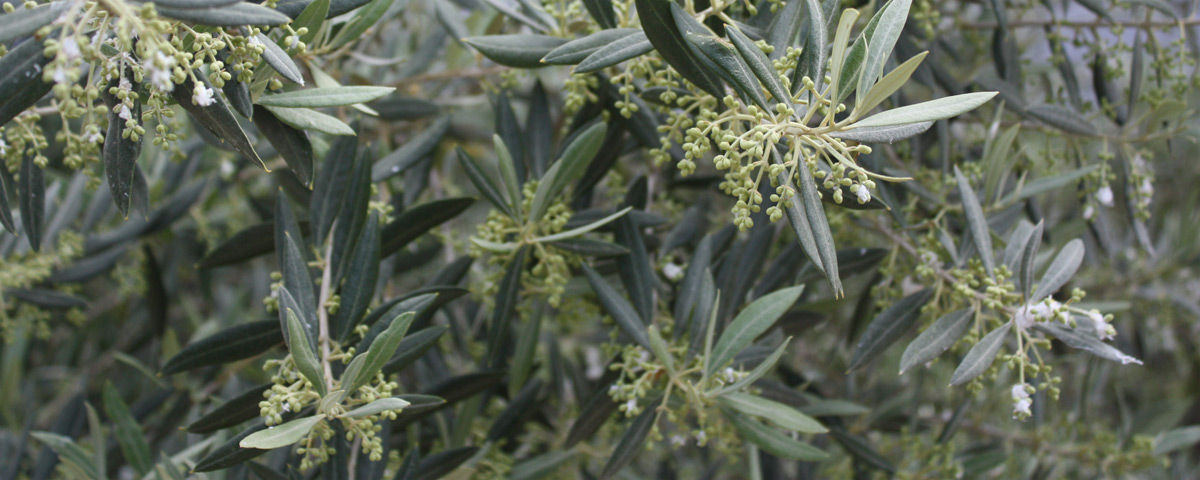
617,51
46,298
483,182
22,22
815,213
660,28
1027,258
1062,118
359,287
540,466
635,269
521,406
31,188
632,441
291,143
414,222
785,25
414,149
505,307
21,84
602,12
936,339
442,463
233,15
576,50
617,307
980,357
516,50
89,267
404,108
813,59
413,347
592,415
889,326
234,411
125,428
216,118
772,441
979,226
751,322
591,248
230,453
331,185
759,64
234,343
381,350
303,353
7,187
70,453
728,64
569,168
772,411
859,449
238,94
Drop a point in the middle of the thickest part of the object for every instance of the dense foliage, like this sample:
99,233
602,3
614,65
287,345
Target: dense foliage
469,239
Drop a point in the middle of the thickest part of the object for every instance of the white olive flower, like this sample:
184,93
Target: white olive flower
1105,196
863,193
701,437
203,96
730,375
1102,328
124,113
673,272
70,48
3,147
631,405
678,440
1021,400
1088,212
158,71
1147,188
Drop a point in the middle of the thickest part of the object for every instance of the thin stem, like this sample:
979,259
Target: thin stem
323,316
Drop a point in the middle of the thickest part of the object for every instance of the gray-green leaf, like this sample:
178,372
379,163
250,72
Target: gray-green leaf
281,435
889,326
981,355
936,339
751,322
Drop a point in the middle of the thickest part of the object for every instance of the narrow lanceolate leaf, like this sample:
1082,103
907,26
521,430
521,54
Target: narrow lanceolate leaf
1062,118
417,147
281,435
31,187
936,339
785,25
751,322
981,355
277,58
794,207
617,307
812,59
888,85
941,108
291,143
660,28
308,119
330,186
889,134
1060,270
7,186
759,64
483,182
575,51
634,269
515,50
1015,245
979,226
506,307
70,453
567,169
1046,184
229,345
620,50
22,22
508,168
1028,256
381,349
890,22
772,411
761,369
602,11
575,232
325,97
238,94
230,453
889,326
126,430
360,278
722,57
378,406
414,222
303,353
233,15
632,441
216,118
298,283
1086,341
21,83
772,441
234,411
811,200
